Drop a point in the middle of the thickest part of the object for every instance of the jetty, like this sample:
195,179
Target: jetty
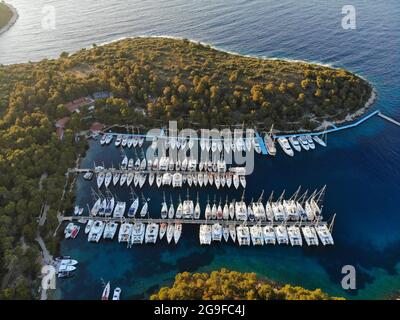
397,123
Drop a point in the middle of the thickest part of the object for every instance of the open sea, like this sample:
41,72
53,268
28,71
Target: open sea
361,166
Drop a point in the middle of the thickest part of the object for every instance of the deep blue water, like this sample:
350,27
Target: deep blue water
360,166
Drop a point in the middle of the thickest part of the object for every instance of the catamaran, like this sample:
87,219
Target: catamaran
167,179
295,236
281,234
324,234
177,180
109,230
241,210
310,235
257,236
269,235
96,231
205,234
243,235
151,233
119,210
216,232
284,143
116,294
138,233
125,231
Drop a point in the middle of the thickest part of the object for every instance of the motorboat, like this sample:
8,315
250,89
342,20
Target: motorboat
284,143
318,140
106,292
295,143
310,141
232,232
304,143
163,230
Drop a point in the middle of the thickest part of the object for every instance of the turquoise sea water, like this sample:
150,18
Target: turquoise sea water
360,166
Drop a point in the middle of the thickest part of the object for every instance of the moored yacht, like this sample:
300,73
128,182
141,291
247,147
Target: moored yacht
257,236
269,235
324,234
295,236
177,232
310,235
138,233
216,232
109,230
151,233
125,231
96,231
310,142
304,143
243,235
295,143
281,234
205,234
284,143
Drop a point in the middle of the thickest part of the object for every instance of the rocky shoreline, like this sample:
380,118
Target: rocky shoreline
12,21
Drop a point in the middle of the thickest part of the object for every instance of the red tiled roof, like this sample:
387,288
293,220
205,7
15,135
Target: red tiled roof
78,103
62,122
96,126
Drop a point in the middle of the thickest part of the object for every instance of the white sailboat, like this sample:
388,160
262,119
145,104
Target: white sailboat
163,230
170,232
177,232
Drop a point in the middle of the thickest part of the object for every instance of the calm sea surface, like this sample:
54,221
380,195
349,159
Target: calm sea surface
360,167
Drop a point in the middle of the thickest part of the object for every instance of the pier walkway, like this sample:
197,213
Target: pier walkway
189,221
334,129
388,119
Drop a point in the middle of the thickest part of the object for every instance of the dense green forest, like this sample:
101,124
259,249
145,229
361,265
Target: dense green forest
152,80
5,15
232,285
